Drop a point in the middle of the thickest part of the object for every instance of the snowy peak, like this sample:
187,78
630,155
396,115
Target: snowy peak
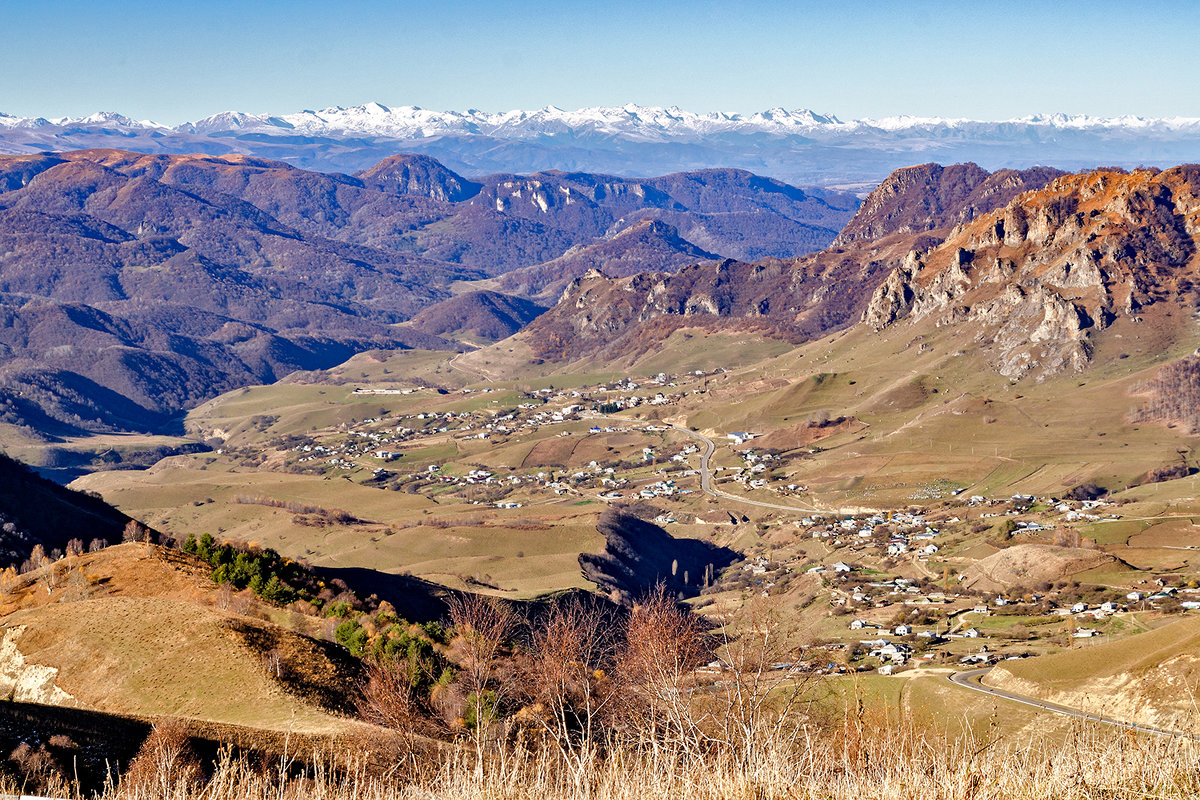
414,122
799,145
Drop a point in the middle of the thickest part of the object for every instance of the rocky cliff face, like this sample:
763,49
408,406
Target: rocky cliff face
1039,276
930,196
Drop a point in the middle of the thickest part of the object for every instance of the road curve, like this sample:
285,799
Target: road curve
706,479
710,447
972,679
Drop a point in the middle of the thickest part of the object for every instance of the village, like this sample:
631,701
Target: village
884,590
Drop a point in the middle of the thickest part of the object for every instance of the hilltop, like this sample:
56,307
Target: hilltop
487,315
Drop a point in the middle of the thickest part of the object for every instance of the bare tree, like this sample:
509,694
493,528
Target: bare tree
483,625
570,653
165,766
387,696
134,532
663,645
37,558
757,703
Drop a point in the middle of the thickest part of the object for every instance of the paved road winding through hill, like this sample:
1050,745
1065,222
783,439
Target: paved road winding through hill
972,679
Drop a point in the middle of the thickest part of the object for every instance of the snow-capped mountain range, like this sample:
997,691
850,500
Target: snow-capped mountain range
800,145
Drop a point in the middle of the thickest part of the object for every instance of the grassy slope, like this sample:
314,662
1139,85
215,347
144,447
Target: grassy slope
398,537
142,633
1135,655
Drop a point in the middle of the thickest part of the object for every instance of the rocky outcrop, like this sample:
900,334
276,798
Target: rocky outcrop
23,682
1040,275
930,196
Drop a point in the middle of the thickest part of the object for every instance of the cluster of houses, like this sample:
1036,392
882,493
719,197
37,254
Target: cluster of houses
752,475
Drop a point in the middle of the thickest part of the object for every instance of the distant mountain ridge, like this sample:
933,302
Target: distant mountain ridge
134,286
795,145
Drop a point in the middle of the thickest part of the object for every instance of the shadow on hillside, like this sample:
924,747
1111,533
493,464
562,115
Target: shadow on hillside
639,556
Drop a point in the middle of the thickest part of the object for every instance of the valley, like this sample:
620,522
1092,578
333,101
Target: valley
888,553
958,437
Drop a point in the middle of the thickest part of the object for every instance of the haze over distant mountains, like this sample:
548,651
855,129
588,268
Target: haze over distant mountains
797,146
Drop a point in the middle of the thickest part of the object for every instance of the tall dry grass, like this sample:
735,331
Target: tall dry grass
651,731
865,758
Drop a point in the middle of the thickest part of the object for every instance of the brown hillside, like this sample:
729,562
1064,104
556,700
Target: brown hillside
1029,565
488,315
648,246
155,657
125,570
1150,678
143,630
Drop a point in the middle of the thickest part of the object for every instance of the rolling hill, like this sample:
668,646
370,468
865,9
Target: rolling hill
135,286
1149,678
487,315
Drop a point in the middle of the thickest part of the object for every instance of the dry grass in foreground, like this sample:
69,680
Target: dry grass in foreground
867,758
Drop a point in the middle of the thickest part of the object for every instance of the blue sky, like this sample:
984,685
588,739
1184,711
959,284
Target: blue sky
177,61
